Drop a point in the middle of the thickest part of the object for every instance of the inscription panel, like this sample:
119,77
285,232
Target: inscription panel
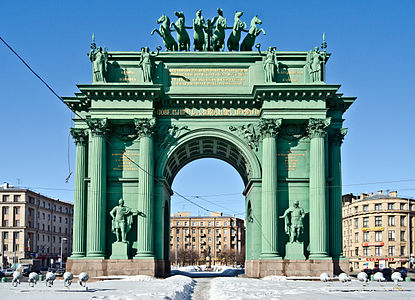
208,76
208,112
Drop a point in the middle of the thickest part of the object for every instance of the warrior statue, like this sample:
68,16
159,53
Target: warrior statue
270,64
146,63
315,61
294,226
99,59
122,218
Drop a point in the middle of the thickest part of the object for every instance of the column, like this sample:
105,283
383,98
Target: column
145,129
317,190
79,220
269,129
336,139
96,229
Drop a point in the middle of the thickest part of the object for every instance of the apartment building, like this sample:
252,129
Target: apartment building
33,226
378,230
215,232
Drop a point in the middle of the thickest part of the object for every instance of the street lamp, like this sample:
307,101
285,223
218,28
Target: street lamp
15,246
63,239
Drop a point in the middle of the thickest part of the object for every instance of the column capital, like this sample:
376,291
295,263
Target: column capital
337,135
317,127
79,135
98,126
145,127
269,127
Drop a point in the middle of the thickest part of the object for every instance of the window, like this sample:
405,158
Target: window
17,223
378,221
194,231
356,251
43,204
403,236
16,235
378,250
225,239
60,208
378,206
5,235
193,223
5,210
201,224
178,223
48,217
356,223
209,231
177,239
5,222
54,207
185,223
193,239
43,226
378,236
365,207
365,251
402,206
17,210
225,231
43,214
6,198
225,223
54,218
38,214
209,223
366,236
48,205
402,250
356,237
391,235
232,223
66,210
391,221
60,219
391,250
66,220
366,222
186,231
356,209
217,223
177,231
210,239
402,220
16,198
391,205
6,247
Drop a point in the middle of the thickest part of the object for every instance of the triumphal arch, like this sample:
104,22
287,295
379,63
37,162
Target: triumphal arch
270,114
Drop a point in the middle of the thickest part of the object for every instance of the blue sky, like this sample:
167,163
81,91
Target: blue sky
372,45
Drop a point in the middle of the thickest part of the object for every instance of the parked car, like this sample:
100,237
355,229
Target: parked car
403,271
387,273
7,272
2,274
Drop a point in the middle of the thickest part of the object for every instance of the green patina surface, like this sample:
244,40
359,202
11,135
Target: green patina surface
269,114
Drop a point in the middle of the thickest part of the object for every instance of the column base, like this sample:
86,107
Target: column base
295,267
113,267
144,255
95,255
77,255
273,255
319,256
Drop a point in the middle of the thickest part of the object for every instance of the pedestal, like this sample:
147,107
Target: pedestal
294,251
120,250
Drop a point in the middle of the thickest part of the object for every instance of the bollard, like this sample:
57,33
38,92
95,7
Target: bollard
372,277
407,279
41,278
4,279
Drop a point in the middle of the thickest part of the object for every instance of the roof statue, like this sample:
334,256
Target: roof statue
208,35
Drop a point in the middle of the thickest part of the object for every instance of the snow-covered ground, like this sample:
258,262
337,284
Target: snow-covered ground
223,288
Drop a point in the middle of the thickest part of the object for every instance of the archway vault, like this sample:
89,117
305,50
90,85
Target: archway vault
209,143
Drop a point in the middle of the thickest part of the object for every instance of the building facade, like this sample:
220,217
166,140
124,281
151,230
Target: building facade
33,226
217,232
378,230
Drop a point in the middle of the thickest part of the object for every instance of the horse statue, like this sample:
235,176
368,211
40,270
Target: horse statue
219,32
165,33
253,32
182,36
198,31
235,36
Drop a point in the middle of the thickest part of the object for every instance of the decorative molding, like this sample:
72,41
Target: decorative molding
249,133
169,134
125,132
98,126
317,127
337,135
145,127
80,135
269,127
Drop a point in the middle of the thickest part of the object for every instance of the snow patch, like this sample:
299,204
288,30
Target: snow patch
275,278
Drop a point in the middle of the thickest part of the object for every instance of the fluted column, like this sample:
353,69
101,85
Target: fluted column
318,202
145,247
96,230
79,225
336,139
269,129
